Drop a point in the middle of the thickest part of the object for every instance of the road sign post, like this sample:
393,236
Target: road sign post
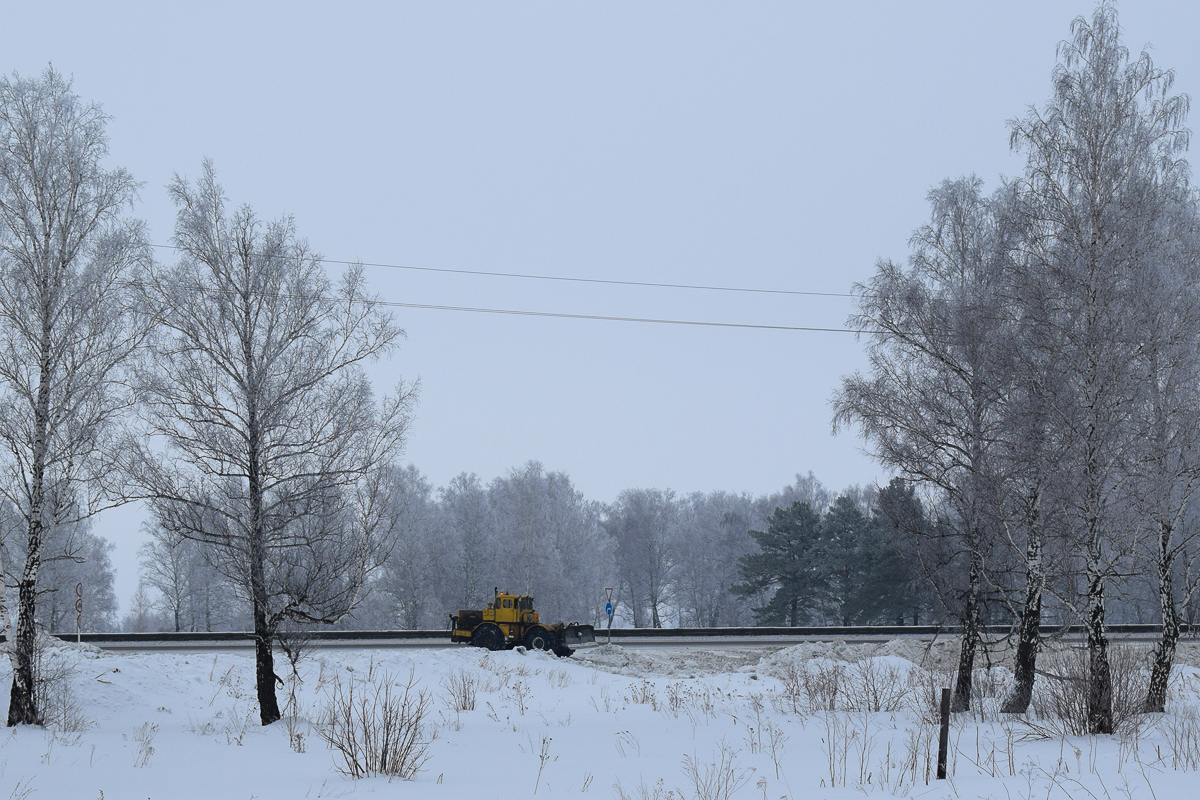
79,612
608,609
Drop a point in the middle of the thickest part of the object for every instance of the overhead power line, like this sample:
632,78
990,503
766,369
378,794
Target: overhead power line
567,315
607,318
570,279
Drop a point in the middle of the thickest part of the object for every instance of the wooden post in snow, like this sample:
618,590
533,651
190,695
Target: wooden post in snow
944,736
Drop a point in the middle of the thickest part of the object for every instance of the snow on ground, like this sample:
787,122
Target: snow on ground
610,722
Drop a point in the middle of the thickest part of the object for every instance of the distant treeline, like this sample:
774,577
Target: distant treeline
703,559
804,555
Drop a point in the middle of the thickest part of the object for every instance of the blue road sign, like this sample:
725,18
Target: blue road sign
608,609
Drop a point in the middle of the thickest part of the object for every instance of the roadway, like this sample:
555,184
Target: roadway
707,638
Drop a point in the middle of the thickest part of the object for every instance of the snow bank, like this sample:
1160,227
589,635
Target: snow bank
612,720
674,662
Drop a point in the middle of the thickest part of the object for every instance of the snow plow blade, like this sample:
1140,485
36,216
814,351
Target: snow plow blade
577,635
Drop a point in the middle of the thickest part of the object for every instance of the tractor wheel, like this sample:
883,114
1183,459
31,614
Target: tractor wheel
488,636
539,639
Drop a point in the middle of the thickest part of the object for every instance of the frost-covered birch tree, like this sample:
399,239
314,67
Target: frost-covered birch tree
470,528
1031,522
640,524
67,328
190,591
167,565
711,533
267,441
929,406
1166,468
1099,157
85,564
413,571
547,542
1028,515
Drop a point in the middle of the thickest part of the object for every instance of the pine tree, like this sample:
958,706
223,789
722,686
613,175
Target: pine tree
844,557
895,587
785,564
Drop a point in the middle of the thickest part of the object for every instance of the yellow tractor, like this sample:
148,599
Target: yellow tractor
509,620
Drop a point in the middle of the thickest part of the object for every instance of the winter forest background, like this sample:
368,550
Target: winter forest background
675,561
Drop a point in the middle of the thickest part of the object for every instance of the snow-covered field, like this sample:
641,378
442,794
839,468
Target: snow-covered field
610,722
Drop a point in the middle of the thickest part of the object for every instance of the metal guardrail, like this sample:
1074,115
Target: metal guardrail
871,630
617,633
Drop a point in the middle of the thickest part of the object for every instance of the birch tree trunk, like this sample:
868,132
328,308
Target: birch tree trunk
971,636
22,700
1028,637
1164,651
1099,688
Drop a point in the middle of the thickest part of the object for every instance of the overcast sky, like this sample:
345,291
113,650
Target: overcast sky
764,145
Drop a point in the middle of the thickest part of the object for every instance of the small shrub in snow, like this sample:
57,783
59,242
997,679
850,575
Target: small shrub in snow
836,743
543,758
234,723
775,740
292,724
61,709
377,725
822,684
23,790
144,736
926,686
1181,727
1060,694
520,693
684,697
461,689
917,762
873,685
628,743
642,694
656,792
988,688
756,729
297,644
718,780
793,694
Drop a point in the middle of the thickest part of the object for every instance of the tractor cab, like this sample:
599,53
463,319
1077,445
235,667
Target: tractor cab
511,609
